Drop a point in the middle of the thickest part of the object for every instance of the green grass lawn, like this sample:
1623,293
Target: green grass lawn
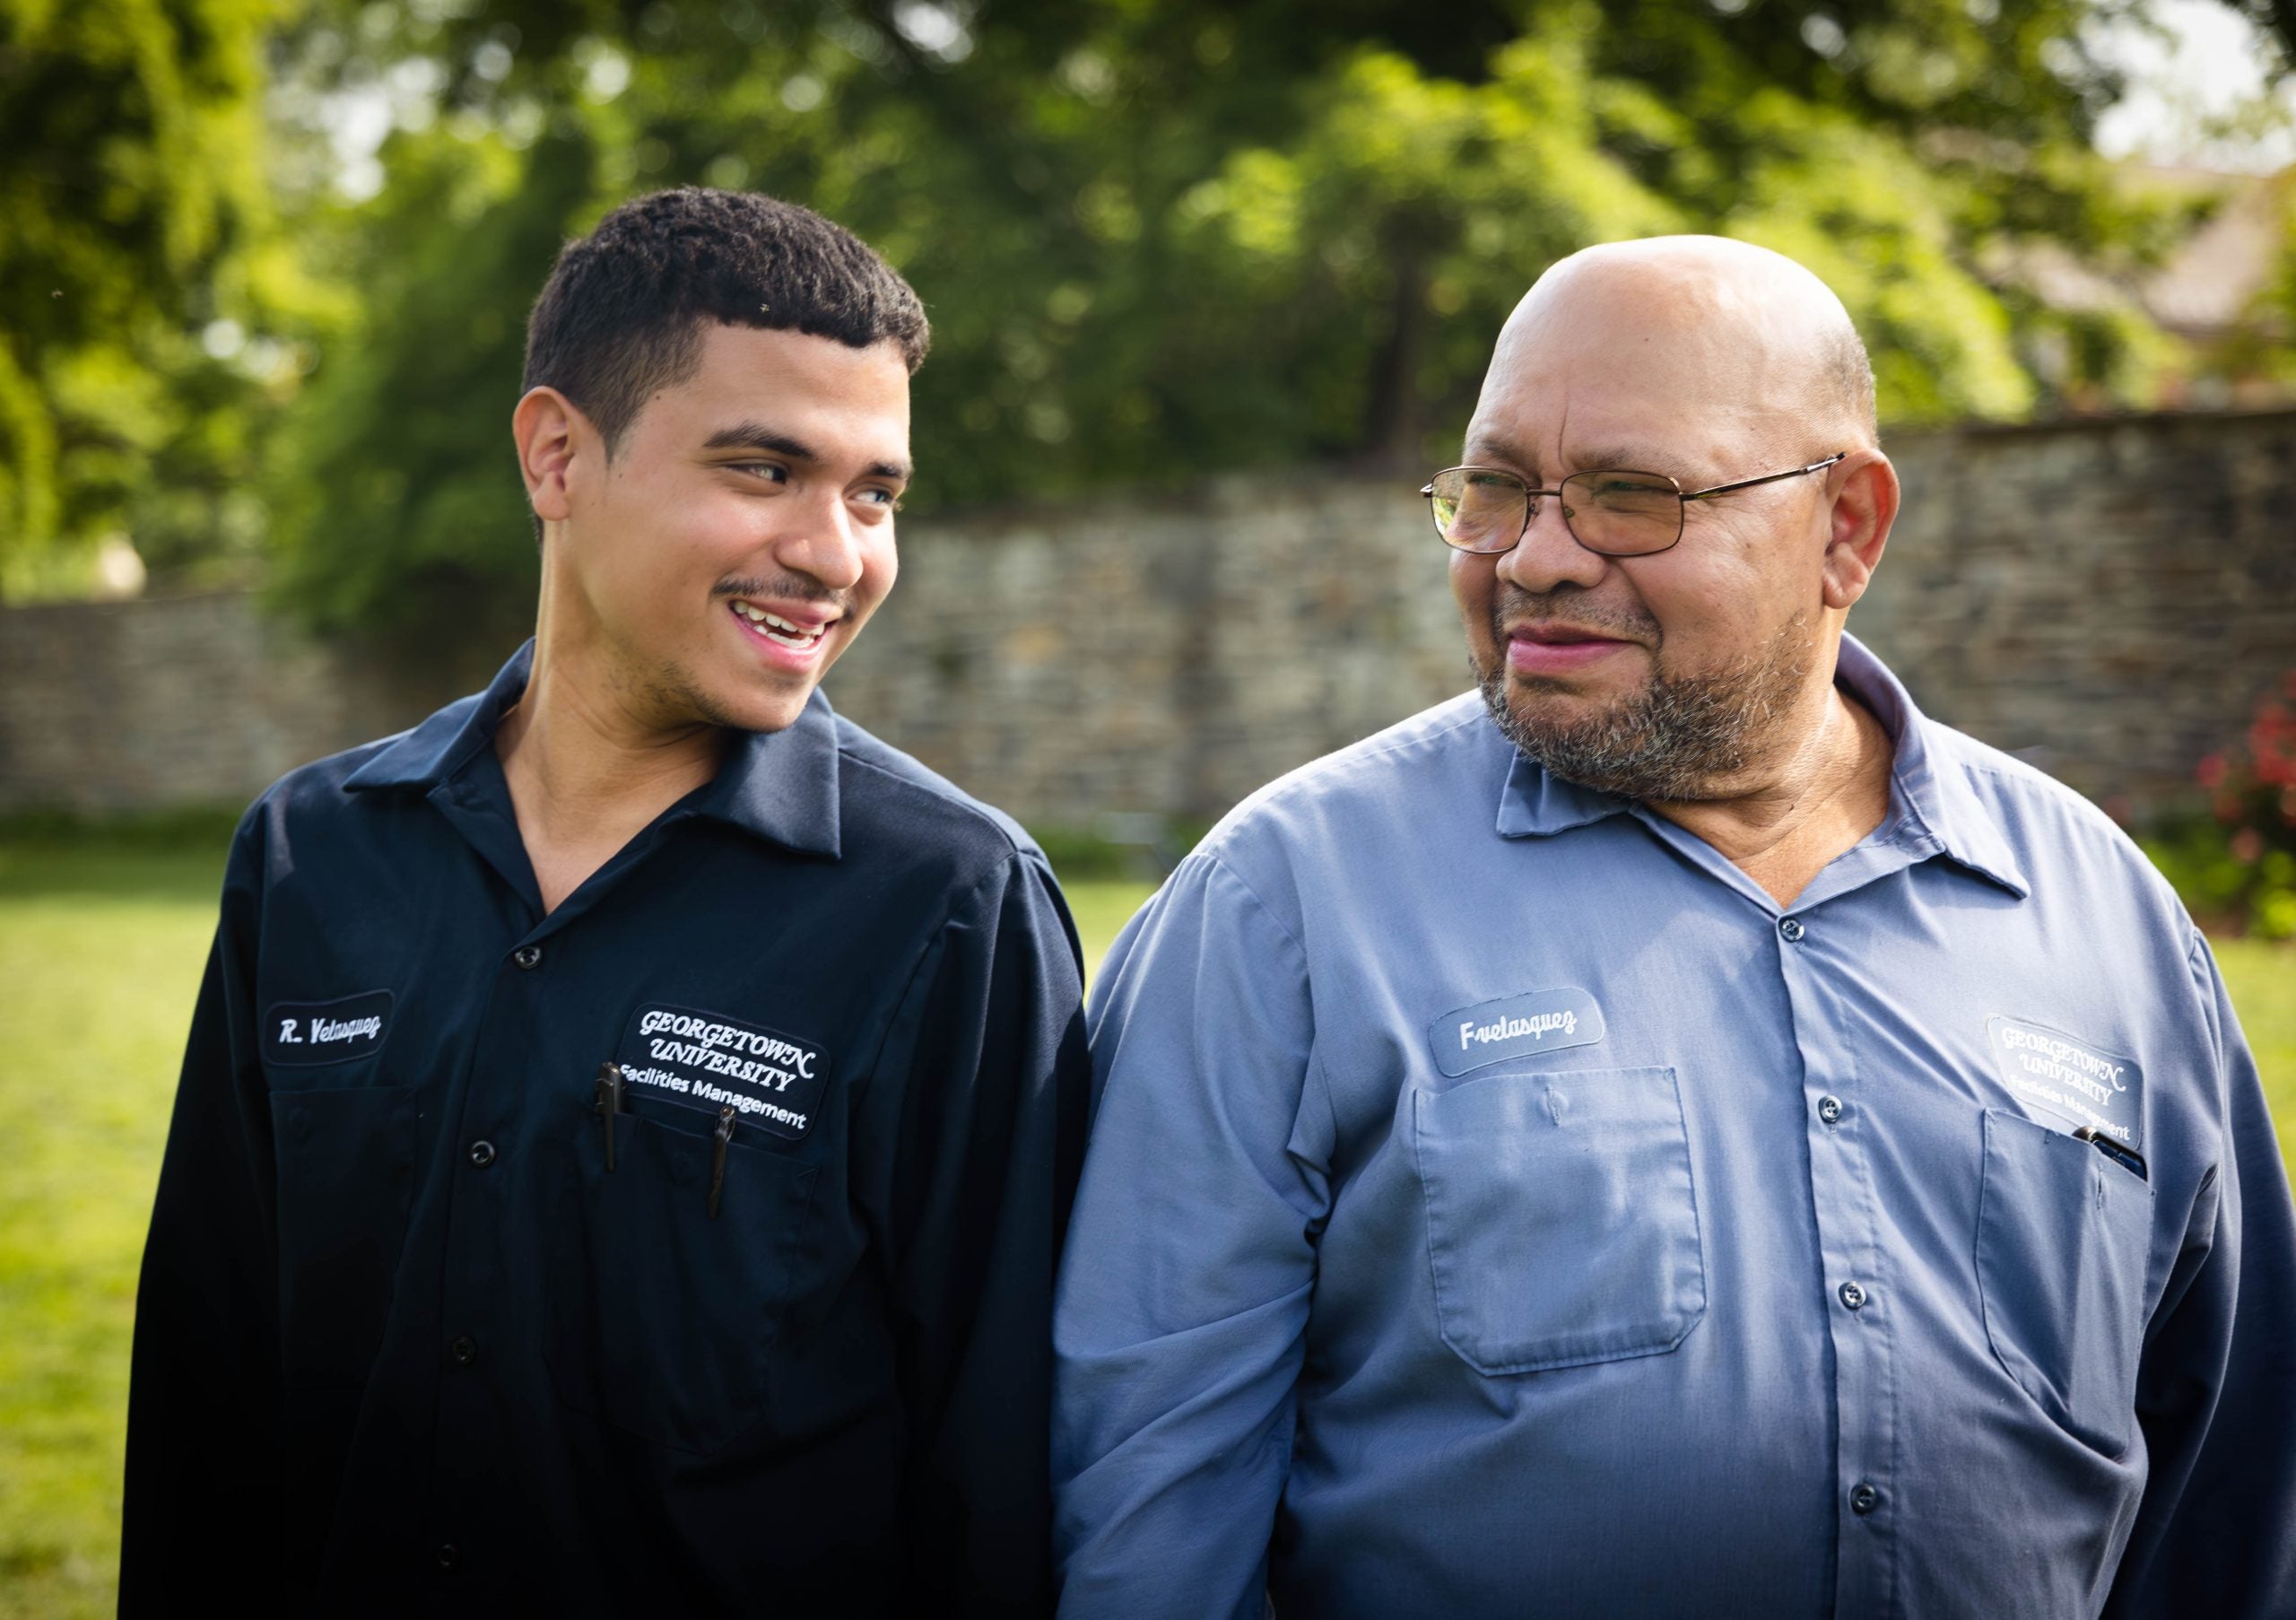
101,947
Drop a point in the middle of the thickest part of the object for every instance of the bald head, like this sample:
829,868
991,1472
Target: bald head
1738,330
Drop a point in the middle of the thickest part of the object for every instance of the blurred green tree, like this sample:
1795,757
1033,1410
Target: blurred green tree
1157,239
1163,240
138,267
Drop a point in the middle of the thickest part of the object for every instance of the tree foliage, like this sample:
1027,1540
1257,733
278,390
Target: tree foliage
1162,240
133,224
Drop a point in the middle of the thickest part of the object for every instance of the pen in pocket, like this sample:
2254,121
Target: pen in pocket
724,1133
606,1101
2127,1158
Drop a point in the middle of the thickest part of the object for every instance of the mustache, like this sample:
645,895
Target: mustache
1512,605
780,587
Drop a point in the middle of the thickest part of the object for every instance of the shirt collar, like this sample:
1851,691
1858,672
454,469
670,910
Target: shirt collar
1932,791
1934,796
780,785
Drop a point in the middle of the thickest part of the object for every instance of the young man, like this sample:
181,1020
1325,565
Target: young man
628,1119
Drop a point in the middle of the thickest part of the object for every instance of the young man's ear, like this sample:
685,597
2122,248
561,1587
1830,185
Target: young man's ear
550,433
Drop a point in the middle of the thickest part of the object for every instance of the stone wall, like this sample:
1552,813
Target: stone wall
2105,598
188,700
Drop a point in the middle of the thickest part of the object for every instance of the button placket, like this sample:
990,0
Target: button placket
1842,1201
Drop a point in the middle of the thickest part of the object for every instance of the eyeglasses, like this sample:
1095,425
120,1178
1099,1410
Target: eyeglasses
1612,511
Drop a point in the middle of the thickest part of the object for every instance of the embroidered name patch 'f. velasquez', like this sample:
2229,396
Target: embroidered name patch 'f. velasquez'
1514,1026
710,1060
2070,1079
302,1032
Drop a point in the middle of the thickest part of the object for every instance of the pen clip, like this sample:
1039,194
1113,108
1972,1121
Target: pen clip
606,1101
2127,1158
724,1133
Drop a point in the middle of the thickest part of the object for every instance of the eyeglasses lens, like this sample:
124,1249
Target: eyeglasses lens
1622,514
1479,511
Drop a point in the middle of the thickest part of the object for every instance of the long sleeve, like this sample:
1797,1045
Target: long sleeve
202,1485
990,1136
1190,1265
2216,1391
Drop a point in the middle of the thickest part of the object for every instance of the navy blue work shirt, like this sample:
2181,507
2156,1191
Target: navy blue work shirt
408,1339
1498,1205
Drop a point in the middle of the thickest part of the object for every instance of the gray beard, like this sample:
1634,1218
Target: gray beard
1673,740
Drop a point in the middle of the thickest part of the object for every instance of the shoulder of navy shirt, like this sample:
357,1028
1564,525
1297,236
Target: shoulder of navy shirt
401,1322
781,785
1493,1191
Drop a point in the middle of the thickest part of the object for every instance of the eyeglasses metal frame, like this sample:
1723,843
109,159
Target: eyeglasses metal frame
1681,498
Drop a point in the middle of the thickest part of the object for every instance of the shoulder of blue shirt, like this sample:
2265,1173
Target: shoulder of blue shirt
1313,810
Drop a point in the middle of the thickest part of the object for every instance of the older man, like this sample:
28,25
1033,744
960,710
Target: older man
1680,1132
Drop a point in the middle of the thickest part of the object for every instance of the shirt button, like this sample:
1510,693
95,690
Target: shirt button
481,1154
1853,1296
1829,1110
527,956
447,1558
465,1350
1790,929
1864,1499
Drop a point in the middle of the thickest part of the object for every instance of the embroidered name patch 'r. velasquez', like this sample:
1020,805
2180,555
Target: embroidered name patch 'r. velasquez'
1514,1026
298,1034
710,1061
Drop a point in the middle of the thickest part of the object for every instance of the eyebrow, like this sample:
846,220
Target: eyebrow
1598,459
757,436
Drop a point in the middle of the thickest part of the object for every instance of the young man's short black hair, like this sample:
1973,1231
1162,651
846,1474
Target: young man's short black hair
621,314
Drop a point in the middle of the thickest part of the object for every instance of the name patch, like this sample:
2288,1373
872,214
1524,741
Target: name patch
1514,1026
711,1060
302,1032
2070,1079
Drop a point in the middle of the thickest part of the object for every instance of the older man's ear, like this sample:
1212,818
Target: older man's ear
1859,526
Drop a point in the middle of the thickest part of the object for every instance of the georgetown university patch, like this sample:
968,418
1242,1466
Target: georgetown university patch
2071,1080
711,1060
1514,1026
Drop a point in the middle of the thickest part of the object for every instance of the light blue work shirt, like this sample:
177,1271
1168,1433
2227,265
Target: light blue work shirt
1498,1205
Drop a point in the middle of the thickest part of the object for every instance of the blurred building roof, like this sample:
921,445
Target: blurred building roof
2211,284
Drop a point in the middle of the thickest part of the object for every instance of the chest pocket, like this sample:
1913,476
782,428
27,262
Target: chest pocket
1561,1223
346,1157
2062,1242
662,1315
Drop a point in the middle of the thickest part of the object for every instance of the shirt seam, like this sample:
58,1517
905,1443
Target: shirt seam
1285,789
1315,1065
956,800
926,951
